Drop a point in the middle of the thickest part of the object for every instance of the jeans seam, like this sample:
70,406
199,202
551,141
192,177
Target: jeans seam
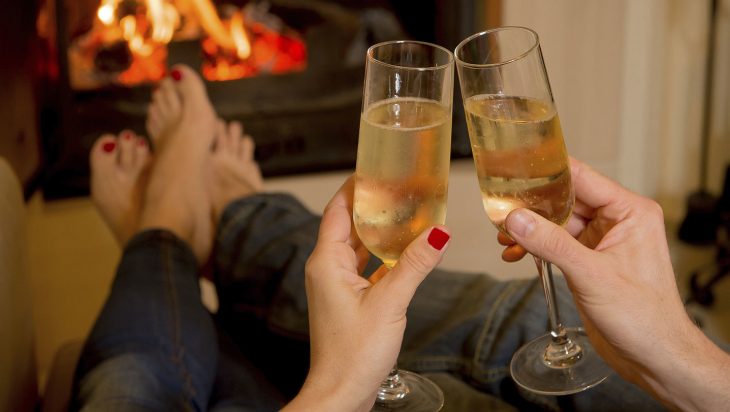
232,223
178,351
508,291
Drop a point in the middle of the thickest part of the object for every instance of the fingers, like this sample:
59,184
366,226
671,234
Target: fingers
513,253
592,189
336,222
548,241
414,264
504,239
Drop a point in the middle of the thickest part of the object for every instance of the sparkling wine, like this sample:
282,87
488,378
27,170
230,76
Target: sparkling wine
402,172
520,157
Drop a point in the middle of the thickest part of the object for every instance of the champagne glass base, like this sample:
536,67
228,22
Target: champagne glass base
530,371
421,395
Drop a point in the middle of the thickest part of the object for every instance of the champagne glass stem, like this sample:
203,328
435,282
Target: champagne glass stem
392,388
561,352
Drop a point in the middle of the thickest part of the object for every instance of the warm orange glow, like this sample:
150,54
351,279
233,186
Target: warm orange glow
240,38
106,12
212,23
164,19
233,47
129,27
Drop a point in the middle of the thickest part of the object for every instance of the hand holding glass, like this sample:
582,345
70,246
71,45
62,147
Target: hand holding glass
401,178
521,162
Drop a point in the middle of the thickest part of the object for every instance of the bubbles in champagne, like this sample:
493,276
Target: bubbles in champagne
402,171
520,157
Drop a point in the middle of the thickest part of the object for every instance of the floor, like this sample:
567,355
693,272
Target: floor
73,255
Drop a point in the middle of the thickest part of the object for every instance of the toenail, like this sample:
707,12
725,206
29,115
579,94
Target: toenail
141,142
176,75
127,135
109,147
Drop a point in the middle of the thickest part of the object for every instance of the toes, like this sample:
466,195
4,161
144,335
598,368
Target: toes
169,98
189,85
245,151
127,150
233,133
141,155
104,153
153,127
235,130
220,140
164,110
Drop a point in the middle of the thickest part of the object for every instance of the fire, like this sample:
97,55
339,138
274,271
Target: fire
236,43
240,38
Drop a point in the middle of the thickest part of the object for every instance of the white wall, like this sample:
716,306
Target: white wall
628,81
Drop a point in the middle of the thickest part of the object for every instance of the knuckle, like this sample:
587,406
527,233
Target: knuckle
655,209
312,266
416,259
552,240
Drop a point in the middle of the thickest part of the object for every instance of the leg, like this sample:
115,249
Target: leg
154,345
239,385
262,243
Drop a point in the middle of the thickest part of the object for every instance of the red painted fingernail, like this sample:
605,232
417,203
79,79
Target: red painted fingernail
176,75
438,238
108,147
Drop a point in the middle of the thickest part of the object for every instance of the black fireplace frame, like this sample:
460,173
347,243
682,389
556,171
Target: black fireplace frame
317,131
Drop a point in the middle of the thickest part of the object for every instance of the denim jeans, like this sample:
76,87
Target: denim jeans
155,347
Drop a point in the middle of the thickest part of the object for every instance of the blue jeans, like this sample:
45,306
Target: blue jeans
155,347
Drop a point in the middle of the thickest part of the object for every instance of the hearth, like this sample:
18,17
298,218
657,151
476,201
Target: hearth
290,70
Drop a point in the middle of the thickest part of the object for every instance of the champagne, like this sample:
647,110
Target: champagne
520,157
401,182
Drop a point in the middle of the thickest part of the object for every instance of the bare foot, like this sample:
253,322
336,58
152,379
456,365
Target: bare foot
177,198
234,172
165,111
118,177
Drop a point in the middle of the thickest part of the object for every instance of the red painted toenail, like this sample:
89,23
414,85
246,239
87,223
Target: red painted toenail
141,142
128,135
176,75
108,147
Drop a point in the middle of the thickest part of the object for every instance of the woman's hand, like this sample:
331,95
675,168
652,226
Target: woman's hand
356,324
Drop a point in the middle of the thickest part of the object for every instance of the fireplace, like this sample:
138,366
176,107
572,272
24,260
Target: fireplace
290,70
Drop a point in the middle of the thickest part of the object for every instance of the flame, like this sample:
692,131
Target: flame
241,45
240,38
106,11
164,18
212,23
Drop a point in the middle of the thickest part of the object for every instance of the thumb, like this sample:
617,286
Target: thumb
415,263
549,241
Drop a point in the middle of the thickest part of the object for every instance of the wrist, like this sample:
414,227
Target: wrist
693,376
320,395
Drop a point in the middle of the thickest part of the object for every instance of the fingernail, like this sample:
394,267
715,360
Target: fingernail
520,223
108,147
141,142
176,75
127,135
438,238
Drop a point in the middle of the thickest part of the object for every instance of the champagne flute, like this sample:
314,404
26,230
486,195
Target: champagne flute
521,162
401,177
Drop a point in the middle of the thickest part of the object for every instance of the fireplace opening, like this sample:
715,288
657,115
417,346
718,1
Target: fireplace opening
290,70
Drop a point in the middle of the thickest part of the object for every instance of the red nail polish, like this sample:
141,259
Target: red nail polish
127,135
141,142
438,238
176,75
108,147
